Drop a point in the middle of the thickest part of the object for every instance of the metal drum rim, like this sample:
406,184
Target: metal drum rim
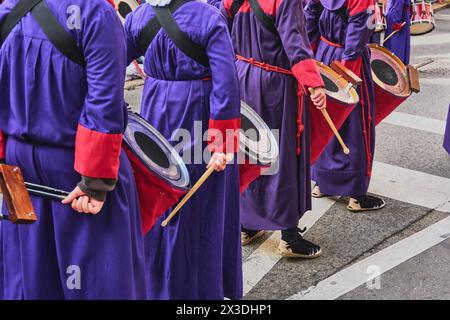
344,84
253,155
174,156
400,64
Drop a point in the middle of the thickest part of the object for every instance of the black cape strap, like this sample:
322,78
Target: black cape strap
342,12
235,6
165,20
179,38
266,21
152,28
262,17
16,14
55,33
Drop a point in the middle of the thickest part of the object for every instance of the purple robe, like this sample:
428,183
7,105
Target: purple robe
398,12
62,121
447,133
277,201
336,173
198,256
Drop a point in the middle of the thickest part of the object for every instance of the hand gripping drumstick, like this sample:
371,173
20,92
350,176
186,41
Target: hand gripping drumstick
393,33
189,195
333,127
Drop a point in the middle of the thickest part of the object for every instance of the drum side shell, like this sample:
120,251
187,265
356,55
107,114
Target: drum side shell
385,104
155,197
321,134
422,24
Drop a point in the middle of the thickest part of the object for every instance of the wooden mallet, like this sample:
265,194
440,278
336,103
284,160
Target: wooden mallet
189,195
332,126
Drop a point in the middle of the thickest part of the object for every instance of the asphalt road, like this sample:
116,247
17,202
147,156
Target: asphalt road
406,246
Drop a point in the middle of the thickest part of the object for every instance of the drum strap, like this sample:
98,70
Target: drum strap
265,20
55,33
164,19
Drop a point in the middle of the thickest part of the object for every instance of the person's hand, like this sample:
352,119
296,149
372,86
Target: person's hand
319,98
83,203
219,161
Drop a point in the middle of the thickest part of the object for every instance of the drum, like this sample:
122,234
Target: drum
390,76
161,175
258,147
341,100
380,17
125,7
422,19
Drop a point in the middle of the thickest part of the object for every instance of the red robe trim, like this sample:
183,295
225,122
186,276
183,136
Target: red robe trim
97,154
354,65
357,6
307,74
2,146
223,135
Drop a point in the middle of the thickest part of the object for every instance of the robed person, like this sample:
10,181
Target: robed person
276,70
398,20
63,122
447,133
198,255
339,31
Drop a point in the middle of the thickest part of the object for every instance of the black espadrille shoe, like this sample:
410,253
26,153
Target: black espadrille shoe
248,236
293,245
365,203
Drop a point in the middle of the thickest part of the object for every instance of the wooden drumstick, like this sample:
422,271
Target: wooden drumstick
332,126
189,195
392,34
139,69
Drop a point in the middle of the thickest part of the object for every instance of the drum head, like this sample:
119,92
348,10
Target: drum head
256,139
388,71
419,28
337,87
155,152
125,7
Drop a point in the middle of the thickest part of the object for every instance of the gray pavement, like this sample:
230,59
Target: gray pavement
348,238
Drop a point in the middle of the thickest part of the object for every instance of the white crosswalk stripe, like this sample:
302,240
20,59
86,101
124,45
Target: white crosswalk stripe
356,275
416,122
394,182
263,259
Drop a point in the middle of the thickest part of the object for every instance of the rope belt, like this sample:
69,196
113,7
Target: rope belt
333,44
300,92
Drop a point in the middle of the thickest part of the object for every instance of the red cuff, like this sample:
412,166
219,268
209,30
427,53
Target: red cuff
397,26
307,74
2,145
112,3
358,6
223,135
97,154
354,65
